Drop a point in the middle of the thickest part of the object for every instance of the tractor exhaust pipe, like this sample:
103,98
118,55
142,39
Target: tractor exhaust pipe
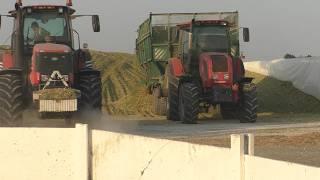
69,3
18,4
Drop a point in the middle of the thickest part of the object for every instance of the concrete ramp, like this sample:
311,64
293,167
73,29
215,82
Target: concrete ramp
62,154
44,153
121,157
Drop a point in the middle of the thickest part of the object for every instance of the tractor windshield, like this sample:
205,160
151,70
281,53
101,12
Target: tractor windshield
45,27
212,38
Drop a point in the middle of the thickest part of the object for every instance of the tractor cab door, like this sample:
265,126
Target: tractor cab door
185,47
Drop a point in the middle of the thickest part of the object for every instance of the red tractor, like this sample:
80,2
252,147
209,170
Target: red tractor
192,62
44,56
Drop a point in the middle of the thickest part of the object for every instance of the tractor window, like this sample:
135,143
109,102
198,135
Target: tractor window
212,39
43,27
185,41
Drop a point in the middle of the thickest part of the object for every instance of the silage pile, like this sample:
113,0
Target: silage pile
58,94
124,89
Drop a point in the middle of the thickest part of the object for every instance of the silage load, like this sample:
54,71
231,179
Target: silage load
58,94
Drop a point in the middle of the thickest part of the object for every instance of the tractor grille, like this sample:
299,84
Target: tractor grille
46,63
220,63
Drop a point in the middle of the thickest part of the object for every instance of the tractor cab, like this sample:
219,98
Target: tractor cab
207,36
43,43
210,52
211,36
46,24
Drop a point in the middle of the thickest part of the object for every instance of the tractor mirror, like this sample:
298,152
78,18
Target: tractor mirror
96,23
246,35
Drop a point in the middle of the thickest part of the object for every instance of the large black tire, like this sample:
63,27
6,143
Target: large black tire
11,100
189,101
249,103
173,103
228,111
159,103
91,92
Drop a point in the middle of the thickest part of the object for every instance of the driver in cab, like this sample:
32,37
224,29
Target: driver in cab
40,33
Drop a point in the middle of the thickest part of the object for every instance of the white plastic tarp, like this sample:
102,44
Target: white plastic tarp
304,73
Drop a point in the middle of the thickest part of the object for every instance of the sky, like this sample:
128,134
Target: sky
277,27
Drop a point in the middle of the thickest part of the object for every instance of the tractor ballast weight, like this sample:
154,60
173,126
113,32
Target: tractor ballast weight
43,56
192,61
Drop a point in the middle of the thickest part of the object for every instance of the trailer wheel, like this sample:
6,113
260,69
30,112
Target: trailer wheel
91,92
249,103
11,100
228,110
173,103
159,103
189,101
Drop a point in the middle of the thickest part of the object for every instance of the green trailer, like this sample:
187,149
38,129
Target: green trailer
158,40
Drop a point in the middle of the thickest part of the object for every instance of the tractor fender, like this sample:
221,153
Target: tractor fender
176,67
7,60
90,72
175,71
246,80
238,70
11,71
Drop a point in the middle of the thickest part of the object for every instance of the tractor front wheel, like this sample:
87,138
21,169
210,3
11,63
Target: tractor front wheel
173,103
249,103
11,100
189,101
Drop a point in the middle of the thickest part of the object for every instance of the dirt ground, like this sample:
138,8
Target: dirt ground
299,145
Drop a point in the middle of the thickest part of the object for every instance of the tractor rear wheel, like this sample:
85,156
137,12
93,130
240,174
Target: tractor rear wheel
159,103
91,92
173,103
249,103
228,110
189,101
11,100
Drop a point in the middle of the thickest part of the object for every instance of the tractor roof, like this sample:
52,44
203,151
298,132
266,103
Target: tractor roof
46,7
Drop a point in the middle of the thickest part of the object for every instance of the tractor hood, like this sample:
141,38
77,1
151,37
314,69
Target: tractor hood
215,68
51,48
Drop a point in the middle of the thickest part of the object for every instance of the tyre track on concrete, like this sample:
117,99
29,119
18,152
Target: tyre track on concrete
158,127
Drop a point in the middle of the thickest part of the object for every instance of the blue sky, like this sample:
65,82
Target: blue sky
277,27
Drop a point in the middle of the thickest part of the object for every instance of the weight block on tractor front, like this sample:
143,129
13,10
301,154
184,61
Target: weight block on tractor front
70,105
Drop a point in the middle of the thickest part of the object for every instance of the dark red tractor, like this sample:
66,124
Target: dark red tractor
45,56
192,62
207,74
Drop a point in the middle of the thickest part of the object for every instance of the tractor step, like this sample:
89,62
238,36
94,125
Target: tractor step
70,105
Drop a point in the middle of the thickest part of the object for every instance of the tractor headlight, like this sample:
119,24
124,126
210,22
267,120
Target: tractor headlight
215,77
44,78
226,76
